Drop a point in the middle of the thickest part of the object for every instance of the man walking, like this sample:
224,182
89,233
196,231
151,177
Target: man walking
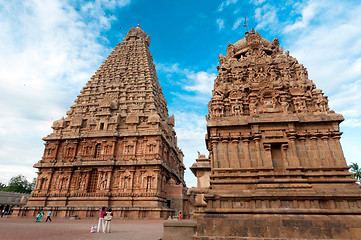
48,217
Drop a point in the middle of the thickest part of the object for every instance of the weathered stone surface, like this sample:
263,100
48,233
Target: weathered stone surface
179,229
116,147
276,165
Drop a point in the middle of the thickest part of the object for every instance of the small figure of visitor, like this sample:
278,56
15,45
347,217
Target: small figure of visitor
180,216
2,212
108,217
101,222
39,216
48,217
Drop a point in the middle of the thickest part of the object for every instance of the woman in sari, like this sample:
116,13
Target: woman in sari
39,216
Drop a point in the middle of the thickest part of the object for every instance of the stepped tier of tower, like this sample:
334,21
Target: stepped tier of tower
116,147
276,168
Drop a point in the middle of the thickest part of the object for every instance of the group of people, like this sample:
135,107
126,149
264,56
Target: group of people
105,217
40,215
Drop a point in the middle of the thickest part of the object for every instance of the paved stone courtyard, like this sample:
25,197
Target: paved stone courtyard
27,228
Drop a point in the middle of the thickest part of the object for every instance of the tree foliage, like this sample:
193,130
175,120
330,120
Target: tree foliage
18,184
356,171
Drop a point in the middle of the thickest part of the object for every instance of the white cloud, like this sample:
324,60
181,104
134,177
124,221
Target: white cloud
48,51
257,2
308,12
220,23
330,51
226,4
203,82
326,40
191,129
266,16
237,23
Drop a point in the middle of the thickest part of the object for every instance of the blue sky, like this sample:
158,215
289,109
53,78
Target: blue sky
49,49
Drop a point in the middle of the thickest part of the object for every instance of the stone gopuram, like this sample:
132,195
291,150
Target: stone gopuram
277,169
117,146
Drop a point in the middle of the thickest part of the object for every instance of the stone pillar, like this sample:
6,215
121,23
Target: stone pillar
267,156
76,142
56,149
259,159
224,151
87,180
340,160
316,160
294,160
240,154
132,172
304,159
109,180
235,156
247,159
135,144
50,178
327,152
70,174
285,156
113,147
215,163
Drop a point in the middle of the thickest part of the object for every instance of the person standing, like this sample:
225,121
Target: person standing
108,217
101,222
180,216
2,212
48,217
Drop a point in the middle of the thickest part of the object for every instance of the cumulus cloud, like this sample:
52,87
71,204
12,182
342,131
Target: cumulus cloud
49,50
331,52
202,82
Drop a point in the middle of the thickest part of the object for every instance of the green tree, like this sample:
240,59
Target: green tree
356,171
2,186
19,184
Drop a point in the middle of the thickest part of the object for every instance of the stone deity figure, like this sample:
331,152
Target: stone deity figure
82,181
103,181
284,104
253,105
300,105
237,108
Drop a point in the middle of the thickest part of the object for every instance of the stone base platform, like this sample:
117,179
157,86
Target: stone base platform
278,226
179,229
93,212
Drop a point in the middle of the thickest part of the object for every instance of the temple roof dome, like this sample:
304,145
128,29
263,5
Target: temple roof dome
252,38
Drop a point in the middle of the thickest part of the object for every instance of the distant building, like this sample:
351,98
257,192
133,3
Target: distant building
117,146
9,200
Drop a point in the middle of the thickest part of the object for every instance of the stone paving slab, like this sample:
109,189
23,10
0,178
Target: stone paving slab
26,228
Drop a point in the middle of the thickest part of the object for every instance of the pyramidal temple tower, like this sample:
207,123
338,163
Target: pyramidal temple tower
276,168
116,147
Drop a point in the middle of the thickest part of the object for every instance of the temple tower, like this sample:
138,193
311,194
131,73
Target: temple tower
117,146
277,169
